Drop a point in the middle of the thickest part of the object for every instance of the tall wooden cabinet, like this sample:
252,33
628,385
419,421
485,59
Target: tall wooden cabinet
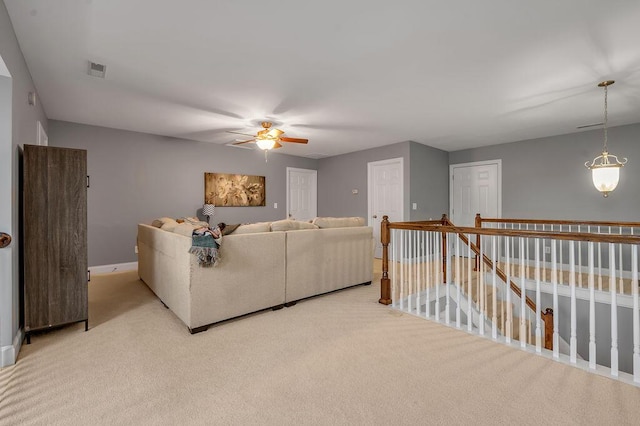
54,237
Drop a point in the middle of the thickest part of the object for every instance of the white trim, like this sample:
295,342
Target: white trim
497,162
315,189
43,139
370,165
9,353
116,267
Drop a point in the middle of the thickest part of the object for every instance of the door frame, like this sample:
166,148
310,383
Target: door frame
9,345
315,189
452,167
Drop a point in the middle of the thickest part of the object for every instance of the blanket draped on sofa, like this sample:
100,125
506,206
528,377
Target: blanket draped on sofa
206,248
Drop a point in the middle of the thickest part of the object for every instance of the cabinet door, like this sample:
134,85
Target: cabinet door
67,235
35,248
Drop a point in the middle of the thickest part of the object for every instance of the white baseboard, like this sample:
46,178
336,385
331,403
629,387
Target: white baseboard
9,353
116,267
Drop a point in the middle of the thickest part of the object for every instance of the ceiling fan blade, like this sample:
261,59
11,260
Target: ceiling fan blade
241,142
295,140
277,145
240,133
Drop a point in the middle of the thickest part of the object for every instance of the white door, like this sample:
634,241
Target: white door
476,188
7,319
385,194
302,194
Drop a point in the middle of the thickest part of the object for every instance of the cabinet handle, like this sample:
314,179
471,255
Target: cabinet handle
5,239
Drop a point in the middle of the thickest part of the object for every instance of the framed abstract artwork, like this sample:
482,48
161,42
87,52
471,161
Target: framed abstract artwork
231,190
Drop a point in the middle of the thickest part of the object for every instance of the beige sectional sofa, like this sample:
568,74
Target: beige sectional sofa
262,266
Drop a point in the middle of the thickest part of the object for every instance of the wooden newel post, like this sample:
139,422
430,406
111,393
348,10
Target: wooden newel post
478,224
547,316
385,283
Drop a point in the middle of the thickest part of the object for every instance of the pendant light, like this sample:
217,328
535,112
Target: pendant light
605,168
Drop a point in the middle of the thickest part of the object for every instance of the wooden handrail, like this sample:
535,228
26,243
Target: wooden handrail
567,236
479,220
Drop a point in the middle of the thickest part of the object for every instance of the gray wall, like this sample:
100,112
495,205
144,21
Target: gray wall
137,177
23,127
429,182
425,181
546,178
339,175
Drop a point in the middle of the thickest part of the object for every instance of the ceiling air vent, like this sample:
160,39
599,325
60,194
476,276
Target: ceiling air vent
97,70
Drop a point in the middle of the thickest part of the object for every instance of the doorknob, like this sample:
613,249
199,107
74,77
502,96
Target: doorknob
375,216
5,239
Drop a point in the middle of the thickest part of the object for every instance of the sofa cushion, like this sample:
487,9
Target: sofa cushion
169,224
338,222
253,228
185,229
291,225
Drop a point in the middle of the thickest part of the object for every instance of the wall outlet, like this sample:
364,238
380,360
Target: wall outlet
135,249
547,250
275,205
414,206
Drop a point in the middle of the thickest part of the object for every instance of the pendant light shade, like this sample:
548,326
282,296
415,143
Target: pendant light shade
605,168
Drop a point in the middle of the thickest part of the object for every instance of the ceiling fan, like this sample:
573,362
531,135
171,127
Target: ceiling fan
267,138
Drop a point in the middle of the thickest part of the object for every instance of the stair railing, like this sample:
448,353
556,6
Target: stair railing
546,316
430,281
577,226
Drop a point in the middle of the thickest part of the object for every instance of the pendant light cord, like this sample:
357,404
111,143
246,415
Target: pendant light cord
605,119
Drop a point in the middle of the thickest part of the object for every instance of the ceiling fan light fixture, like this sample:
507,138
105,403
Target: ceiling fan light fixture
605,168
265,144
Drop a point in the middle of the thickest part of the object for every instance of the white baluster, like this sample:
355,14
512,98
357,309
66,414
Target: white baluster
556,312
447,307
458,280
394,275
579,260
438,272
494,278
592,310
429,261
614,310
469,298
402,268
480,291
636,313
599,264
573,340
410,234
620,279
508,322
418,268
538,321
523,297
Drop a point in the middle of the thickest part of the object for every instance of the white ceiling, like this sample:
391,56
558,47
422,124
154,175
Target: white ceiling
346,74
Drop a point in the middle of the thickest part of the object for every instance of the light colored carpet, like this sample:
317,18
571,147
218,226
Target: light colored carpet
336,359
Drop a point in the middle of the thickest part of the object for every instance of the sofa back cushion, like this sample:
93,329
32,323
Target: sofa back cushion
253,228
291,225
338,222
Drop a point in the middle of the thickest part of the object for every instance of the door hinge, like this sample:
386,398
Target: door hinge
88,275
88,181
